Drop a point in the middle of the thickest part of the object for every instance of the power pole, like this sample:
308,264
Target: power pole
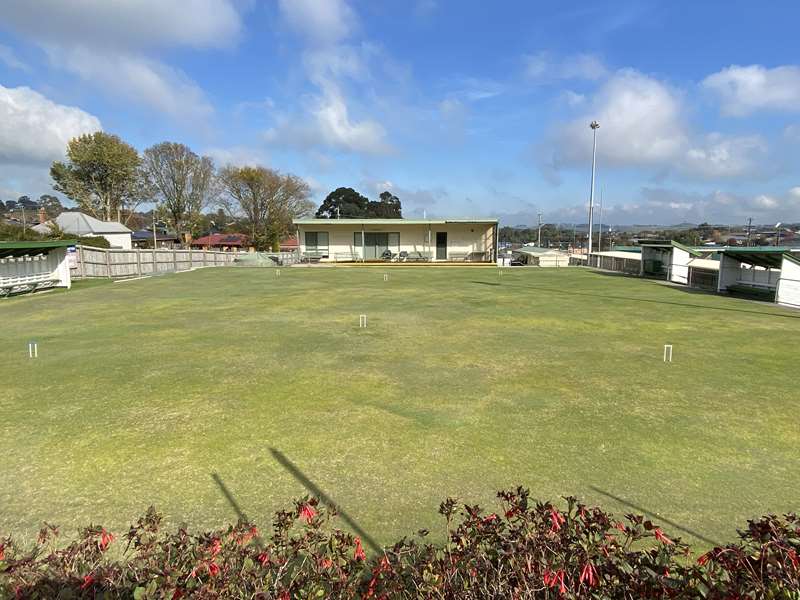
539,239
155,243
749,227
594,126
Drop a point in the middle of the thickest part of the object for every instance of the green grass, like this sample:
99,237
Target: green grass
465,382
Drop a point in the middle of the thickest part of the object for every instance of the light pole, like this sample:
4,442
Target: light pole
595,126
778,233
539,239
600,224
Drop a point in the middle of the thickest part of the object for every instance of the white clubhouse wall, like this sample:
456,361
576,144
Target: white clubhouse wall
789,283
462,238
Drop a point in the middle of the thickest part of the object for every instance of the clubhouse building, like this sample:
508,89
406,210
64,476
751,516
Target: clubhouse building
397,240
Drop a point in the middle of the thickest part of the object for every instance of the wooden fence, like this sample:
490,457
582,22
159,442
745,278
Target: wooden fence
100,262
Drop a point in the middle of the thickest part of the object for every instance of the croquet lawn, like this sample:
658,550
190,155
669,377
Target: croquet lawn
230,391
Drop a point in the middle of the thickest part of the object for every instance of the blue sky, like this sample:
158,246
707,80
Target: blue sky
461,108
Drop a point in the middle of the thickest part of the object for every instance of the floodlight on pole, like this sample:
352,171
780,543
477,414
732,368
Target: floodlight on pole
778,232
594,126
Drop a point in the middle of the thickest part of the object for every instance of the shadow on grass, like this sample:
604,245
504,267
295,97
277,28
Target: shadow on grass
485,282
324,498
240,514
653,515
566,292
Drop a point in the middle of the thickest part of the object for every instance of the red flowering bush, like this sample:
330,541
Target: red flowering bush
525,550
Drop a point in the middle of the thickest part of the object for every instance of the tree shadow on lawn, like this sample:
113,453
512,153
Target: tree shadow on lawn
240,514
324,498
651,514
647,300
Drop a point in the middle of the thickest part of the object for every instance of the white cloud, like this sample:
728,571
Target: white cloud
642,125
328,119
35,130
473,89
744,90
322,22
543,67
413,200
330,125
572,99
108,44
425,8
792,132
720,156
151,83
339,130
237,155
131,24
667,206
9,59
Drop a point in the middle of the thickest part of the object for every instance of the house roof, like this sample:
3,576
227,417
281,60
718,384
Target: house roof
536,251
77,223
290,242
393,221
221,239
146,234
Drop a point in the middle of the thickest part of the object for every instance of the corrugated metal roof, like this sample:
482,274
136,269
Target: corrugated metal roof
78,223
35,245
9,249
757,250
537,251
704,263
392,221
620,254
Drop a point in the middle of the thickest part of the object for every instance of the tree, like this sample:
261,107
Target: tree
101,175
51,205
343,203
267,199
388,207
183,182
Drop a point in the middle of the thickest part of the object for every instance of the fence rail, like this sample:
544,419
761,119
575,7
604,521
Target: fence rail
137,262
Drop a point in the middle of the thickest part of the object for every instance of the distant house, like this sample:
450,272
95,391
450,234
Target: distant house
81,225
143,238
222,241
290,244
